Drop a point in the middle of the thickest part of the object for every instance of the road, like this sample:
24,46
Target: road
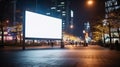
71,56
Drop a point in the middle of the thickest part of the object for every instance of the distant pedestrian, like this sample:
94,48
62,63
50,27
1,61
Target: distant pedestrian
52,44
76,43
86,41
80,43
117,46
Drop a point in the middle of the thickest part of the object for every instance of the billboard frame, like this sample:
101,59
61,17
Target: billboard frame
24,38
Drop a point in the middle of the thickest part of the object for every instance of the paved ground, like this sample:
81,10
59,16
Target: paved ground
71,56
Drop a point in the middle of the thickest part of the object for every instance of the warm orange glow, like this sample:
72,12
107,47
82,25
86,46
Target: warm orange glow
70,46
90,2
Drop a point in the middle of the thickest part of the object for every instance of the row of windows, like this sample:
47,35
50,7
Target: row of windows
111,3
109,9
59,6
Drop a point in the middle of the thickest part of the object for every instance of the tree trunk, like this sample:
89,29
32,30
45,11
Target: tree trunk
118,33
110,33
2,36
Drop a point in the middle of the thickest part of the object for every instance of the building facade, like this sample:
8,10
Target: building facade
111,7
61,8
112,19
55,8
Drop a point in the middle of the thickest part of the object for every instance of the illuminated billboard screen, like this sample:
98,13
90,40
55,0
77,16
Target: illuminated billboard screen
42,26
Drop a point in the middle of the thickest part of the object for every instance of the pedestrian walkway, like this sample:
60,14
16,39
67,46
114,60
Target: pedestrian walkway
54,47
28,47
77,56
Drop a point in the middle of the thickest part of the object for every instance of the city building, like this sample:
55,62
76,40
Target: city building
112,16
111,7
55,8
61,8
87,27
86,31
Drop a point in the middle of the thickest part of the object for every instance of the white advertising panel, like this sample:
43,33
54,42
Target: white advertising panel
42,26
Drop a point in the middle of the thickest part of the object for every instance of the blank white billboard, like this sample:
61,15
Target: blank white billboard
41,26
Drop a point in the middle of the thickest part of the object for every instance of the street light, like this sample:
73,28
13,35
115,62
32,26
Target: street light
83,31
90,2
71,26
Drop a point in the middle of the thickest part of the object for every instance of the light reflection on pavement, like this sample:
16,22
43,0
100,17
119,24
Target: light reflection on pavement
71,56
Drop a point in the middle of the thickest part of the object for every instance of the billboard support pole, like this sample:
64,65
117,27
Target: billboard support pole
23,45
23,42
62,42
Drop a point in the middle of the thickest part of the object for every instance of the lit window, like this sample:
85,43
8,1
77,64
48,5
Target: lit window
115,3
71,13
60,5
58,10
48,13
63,12
117,7
62,2
53,7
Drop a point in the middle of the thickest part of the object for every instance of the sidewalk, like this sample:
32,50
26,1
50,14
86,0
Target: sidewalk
71,56
28,47
8,48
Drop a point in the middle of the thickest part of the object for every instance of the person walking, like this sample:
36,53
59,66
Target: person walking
52,43
117,46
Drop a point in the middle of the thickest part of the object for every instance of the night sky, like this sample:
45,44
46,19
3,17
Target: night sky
82,13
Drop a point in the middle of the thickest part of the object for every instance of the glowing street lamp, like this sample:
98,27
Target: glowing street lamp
83,31
90,2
